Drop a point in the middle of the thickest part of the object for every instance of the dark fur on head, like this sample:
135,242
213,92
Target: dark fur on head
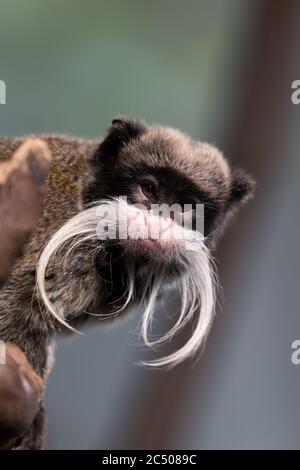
186,170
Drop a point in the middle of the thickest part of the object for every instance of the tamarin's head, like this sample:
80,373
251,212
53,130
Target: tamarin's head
151,187
154,165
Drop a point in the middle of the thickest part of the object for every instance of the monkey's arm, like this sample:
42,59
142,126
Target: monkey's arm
23,320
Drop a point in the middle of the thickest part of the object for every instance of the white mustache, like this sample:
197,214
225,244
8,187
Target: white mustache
196,283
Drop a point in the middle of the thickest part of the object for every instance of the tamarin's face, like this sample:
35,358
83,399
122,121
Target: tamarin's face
142,246
160,165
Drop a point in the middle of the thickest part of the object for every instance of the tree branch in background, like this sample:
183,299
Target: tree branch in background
20,393
22,189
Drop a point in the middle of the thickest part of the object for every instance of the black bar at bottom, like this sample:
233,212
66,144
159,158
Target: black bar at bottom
134,459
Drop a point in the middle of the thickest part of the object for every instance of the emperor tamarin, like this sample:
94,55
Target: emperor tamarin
77,266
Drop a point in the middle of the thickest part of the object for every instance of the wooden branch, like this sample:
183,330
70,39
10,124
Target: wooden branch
20,394
22,190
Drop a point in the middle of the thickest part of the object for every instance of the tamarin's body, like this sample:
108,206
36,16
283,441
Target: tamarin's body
69,172
20,320
145,164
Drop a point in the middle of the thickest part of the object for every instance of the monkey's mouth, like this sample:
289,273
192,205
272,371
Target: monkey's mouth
153,246
149,247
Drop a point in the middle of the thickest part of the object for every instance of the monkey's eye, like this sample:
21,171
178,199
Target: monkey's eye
148,189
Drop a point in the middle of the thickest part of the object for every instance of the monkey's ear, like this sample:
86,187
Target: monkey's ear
120,133
128,127
242,188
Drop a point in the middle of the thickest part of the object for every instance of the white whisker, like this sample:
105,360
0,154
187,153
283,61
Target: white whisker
195,280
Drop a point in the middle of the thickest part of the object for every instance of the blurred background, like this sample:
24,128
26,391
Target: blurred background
221,70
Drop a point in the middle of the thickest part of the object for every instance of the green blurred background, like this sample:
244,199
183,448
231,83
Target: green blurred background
71,66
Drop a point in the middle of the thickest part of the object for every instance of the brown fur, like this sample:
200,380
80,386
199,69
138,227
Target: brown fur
81,172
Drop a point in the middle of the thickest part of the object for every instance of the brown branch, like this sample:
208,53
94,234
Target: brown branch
20,394
22,190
